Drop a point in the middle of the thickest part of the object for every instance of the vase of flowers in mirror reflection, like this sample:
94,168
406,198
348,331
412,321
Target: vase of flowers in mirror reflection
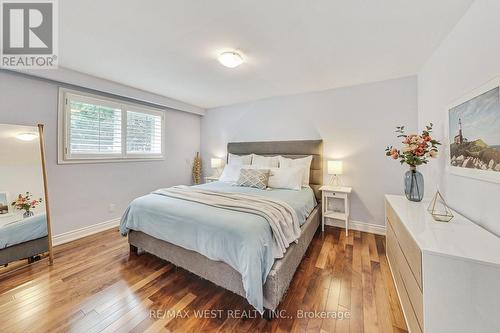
417,150
26,203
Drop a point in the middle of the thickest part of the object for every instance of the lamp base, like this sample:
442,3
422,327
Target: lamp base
217,173
335,181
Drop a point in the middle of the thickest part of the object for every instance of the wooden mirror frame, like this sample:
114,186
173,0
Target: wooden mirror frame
46,190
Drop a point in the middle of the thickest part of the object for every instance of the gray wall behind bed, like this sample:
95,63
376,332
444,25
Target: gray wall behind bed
356,124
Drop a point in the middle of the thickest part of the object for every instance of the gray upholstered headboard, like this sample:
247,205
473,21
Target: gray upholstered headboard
290,149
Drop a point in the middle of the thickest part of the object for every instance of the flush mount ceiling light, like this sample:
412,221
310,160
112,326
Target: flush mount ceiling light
27,136
230,59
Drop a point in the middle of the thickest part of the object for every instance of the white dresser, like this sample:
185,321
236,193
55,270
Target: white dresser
447,274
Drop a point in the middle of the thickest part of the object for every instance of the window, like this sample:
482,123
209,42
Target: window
99,129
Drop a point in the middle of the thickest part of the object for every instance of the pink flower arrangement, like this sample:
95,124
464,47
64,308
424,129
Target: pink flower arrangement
417,149
26,203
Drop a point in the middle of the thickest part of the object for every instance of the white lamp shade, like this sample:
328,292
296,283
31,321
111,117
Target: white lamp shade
215,163
335,167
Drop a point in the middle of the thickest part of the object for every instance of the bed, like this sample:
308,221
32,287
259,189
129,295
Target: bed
23,239
150,219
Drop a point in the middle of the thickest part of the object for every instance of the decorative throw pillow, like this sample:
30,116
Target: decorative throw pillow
253,178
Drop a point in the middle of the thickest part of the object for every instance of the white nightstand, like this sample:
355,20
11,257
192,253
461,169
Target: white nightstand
335,192
211,179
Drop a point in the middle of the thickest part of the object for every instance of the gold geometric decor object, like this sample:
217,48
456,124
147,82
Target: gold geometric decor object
439,209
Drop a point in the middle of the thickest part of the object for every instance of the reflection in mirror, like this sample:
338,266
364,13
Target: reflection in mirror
24,226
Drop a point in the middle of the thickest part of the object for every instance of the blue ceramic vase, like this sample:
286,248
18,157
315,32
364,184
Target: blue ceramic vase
414,185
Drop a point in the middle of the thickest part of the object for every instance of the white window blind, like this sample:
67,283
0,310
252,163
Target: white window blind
95,128
143,133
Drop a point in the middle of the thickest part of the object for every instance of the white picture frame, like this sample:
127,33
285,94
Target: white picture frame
471,98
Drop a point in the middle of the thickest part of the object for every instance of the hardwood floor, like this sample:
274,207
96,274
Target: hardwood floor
95,285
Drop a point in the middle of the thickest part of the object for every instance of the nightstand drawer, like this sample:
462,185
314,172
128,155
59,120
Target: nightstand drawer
335,195
211,179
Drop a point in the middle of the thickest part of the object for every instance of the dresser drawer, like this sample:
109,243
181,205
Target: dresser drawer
408,245
408,290
411,318
391,243
410,284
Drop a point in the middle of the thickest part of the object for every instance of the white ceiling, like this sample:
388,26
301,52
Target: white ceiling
169,47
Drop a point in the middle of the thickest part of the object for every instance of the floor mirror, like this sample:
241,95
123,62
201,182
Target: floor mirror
25,230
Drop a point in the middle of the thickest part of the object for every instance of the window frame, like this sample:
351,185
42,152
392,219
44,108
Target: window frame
65,157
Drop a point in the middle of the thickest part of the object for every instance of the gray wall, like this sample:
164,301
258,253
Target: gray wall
356,124
465,60
81,194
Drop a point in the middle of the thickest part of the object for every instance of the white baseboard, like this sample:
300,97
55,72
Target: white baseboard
359,226
85,231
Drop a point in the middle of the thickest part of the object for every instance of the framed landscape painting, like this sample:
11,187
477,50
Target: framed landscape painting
474,134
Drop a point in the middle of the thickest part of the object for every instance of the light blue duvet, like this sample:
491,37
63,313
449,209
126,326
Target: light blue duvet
242,240
23,230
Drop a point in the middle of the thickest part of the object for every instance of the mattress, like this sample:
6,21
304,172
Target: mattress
242,240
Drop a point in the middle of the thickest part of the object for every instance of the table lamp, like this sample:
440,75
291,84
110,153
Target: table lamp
335,169
216,163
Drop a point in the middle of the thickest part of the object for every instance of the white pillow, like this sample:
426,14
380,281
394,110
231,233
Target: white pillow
304,162
265,161
240,160
231,173
286,178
